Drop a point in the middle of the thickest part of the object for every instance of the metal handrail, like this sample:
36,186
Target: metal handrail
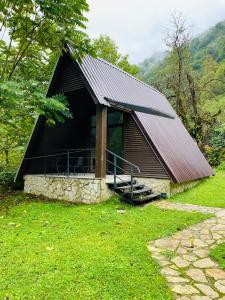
116,166
120,178
124,160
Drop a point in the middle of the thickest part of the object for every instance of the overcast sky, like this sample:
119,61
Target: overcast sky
139,26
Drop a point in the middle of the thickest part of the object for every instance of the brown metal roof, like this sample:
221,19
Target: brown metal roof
181,155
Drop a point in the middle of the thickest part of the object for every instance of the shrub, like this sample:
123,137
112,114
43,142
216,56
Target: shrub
222,166
7,181
215,152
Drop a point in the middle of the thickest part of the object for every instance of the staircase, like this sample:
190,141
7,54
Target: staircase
129,189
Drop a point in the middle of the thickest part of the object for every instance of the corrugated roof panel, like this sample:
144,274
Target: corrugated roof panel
176,147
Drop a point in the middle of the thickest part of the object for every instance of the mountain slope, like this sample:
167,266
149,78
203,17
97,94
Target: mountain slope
210,42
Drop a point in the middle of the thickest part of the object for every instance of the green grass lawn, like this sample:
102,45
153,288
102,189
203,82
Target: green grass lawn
210,192
218,254
52,250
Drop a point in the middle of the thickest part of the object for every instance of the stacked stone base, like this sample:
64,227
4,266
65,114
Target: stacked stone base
159,186
91,190
76,190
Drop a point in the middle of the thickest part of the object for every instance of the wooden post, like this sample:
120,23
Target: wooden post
101,141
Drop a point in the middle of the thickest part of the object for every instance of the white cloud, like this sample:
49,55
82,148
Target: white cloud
139,26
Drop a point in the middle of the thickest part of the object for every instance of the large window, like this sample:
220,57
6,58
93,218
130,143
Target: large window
114,134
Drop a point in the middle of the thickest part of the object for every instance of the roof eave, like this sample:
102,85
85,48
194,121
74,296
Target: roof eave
139,108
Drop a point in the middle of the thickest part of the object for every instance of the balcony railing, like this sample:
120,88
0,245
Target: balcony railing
66,162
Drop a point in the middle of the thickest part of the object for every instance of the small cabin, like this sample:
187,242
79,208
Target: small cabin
124,137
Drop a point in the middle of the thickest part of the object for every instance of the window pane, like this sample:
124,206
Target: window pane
93,121
115,140
115,118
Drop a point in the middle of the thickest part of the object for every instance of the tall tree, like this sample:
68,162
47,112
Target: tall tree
46,24
178,60
193,94
33,34
107,49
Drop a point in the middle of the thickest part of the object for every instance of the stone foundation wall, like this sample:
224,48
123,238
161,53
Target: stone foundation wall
166,186
158,186
92,190
76,190
182,187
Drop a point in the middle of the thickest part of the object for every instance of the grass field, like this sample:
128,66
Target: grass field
210,192
52,250
218,254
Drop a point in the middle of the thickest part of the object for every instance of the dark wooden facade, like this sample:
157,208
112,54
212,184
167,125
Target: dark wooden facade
138,150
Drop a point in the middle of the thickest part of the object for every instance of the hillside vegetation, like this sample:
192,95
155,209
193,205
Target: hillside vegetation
209,43
191,73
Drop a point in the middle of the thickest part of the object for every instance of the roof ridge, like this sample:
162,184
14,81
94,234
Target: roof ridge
127,74
122,71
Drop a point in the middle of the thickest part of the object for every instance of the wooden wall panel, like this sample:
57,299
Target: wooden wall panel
69,78
138,151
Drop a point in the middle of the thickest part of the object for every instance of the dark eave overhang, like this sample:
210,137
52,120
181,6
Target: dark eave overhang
134,107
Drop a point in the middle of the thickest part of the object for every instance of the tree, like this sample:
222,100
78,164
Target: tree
177,41
107,49
37,30
45,24
33,34
193,94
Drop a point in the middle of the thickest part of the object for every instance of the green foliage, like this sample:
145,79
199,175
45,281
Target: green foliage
107,49
84,252
7,180
20,103
210,43
196,93
221,167
218,254
6,177
36,34
216,150
209,192
26,95
44,25
149,66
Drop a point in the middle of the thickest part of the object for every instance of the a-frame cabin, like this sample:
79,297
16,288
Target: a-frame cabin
123,132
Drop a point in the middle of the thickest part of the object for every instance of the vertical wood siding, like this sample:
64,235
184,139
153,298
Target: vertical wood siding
69,78
138,151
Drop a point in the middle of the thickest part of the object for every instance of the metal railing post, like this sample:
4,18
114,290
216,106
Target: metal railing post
68,162
114,166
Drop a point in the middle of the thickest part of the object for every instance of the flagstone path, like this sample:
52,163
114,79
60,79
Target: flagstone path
184,256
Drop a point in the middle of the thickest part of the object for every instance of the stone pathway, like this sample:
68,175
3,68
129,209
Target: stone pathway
184,256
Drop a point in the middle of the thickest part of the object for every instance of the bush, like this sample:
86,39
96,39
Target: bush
7,181
222,166
215,151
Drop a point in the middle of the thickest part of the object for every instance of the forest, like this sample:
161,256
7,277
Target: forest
191,73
